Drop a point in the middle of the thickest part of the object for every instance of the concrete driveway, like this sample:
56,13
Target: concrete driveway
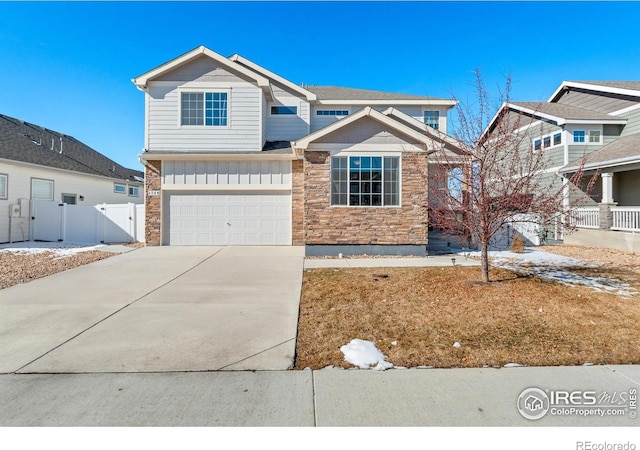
157,309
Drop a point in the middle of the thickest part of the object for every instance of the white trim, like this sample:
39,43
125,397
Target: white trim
6,186
55,169
226,187
563,121
360,147
310,96
398,102
142,81
602,164
204,91
625,110
124,185
367,111
593,87
53,186
215,156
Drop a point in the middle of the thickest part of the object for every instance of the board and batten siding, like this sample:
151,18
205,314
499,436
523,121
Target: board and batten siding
227,174
165,134
94,190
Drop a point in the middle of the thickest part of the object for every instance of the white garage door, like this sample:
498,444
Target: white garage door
227,218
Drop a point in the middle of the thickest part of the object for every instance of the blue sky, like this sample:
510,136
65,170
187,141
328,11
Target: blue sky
68,66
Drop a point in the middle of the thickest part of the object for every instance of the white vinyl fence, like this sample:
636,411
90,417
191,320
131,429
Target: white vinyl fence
104,223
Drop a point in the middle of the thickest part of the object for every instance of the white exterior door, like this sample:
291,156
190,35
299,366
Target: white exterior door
227,218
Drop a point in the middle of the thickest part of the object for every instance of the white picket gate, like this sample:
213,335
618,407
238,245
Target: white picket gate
103,223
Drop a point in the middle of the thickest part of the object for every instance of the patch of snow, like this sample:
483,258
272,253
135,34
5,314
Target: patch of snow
588,364
394,342
557,268
365,355
513,365
457,345
59,249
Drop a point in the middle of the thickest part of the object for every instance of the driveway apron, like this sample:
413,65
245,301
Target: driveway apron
158,309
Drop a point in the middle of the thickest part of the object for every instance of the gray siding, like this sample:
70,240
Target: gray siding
318,122
633,123
597,101
203,69
610,133
287,127
242,134
365,131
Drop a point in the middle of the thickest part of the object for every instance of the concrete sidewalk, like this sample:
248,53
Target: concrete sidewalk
411,397
429,261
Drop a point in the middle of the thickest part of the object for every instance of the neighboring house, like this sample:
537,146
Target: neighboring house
593,126
38,163
237,155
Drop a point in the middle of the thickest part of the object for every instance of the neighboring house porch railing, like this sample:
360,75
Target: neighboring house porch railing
587,217
626,218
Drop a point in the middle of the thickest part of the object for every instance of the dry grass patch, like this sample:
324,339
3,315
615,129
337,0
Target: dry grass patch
514,320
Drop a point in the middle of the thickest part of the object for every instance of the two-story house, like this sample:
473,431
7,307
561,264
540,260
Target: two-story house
592,126
237,155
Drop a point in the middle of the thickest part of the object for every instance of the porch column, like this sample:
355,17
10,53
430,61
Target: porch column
606,214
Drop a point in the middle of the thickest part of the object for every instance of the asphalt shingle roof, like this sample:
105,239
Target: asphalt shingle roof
627,147
29,143
633,85
564,111
345,93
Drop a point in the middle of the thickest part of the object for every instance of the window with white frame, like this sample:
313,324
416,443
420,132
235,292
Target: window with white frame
546,142
119,188
537,144
204,108
332,112
133,191
280,110
594,136
432,118
578,136
4,182
365,181
41,189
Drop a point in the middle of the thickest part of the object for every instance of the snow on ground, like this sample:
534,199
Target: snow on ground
557,268
59,249
365,355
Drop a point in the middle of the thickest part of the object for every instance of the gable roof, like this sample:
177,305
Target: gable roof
310,96
623,151
141,81
562,114
389,118
33,144
343,95
614,87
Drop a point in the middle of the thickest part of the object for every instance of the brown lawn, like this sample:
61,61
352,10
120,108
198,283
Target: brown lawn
514,319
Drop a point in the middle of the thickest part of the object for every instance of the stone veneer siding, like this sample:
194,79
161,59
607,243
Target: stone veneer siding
152,209
327,225
297,202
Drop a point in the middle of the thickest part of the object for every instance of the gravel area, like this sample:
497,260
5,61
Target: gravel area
21,267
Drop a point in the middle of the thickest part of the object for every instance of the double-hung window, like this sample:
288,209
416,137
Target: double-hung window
204,108
432,118
365,181
41,189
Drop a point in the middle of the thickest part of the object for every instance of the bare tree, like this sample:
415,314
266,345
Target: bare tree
498,180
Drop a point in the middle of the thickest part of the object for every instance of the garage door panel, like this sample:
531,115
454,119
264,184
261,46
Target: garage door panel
209,218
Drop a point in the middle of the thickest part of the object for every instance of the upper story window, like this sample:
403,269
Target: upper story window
284,110
432,118
537,144
557,139
546,141
578,136
332,112
204,108
594,136
119,188
133,191
365,181
4,179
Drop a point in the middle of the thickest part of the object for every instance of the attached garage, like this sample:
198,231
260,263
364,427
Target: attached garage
226,202
227,218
